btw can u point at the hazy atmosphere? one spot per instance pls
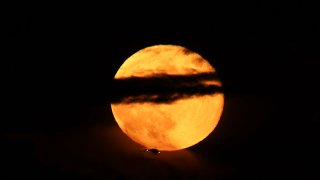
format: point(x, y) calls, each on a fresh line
point(59, 69)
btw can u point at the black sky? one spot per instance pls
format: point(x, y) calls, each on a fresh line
point(58, 72)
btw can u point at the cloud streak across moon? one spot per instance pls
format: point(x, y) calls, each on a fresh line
point(163, 88)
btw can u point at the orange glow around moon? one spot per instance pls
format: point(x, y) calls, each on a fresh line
point(168, 126)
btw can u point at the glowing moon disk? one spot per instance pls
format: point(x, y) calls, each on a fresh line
point(168, 126)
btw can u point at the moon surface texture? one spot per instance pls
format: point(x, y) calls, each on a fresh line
point(173, 125)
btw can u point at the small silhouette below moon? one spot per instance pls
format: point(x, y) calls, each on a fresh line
point(153, 151)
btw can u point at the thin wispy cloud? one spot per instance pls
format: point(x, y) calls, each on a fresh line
point(162, 88)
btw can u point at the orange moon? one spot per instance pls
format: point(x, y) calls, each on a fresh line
point(168, 126)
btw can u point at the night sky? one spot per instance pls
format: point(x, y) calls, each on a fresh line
point(58, 82)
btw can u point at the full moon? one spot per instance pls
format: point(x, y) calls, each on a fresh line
point(174, 125)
